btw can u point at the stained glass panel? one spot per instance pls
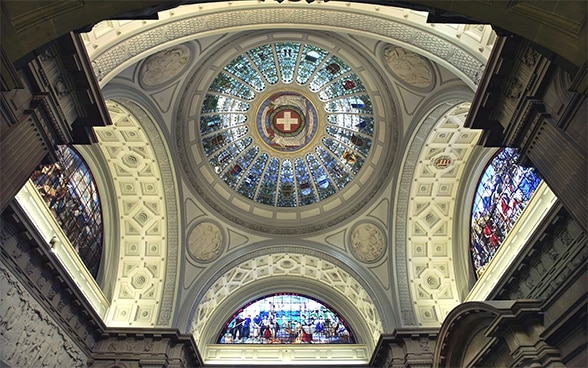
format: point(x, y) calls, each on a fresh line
point(286, 319)
point(502, 193)
point(69, 191)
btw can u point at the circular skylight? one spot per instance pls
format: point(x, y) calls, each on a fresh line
point(286, 124)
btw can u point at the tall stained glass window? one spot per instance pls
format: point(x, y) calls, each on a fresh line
point(286, 319)
point(502, 193)
point(69, 191)
point(287, 124)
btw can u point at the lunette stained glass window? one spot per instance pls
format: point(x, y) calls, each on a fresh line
point(287, 124)
point(286, 318)
point(69, 191)
point(502, 193)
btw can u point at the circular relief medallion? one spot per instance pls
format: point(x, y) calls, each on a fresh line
point(367, 242)
point(409, 67)
point(205, 242)
point(165, 65)
point(287, 121)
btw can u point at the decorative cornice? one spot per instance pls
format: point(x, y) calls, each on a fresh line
point(200, 21)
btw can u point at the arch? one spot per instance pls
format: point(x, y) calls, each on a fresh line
point(503, 191)
point(147, 207)
point(71, 194)
point(286, 318)
point(295, 270)
point(395, 25)
point(559, 30)
point(430, 178)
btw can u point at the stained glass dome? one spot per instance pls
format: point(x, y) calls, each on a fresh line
point(286, 124)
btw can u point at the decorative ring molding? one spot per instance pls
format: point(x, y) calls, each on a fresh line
point(110, 54)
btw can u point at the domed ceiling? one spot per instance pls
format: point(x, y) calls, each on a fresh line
point(290, 125)
point(286, 124)
point(277, 126)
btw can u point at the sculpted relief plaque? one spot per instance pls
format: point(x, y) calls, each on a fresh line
point(409, 67)
point(29, 336)
point(164, 65)
point(205, 242)
point(367, 242)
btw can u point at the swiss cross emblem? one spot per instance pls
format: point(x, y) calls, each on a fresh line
point(287, 121)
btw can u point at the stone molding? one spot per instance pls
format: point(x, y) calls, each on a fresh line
point(109, 56)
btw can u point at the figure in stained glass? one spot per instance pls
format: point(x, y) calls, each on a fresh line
point(503, 192)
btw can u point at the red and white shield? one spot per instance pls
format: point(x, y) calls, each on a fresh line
point(287, 121)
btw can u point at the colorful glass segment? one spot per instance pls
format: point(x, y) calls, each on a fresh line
point(69, 191)
point(262, 112)
point(503, 191)
point(286, 319)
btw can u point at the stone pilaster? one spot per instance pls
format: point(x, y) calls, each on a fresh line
point(405, 348)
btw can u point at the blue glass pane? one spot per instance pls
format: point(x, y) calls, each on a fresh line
point(286, 318)
point(214, 123)
point(215, 103)
point(248, 186)
point(357, 123)
point(312, 57)
point(238, 167)
point(356, 104)
point(287, 53)
point(324, 185)
point(228, 85)
point(242, 69)
point(306, 194)
point(69, 191)
point(267, 189)
point(264, 59)
point(351, 160)
point(502, 193)
point(331, 69)
point(287, 192)
point(215, 142)
point(225, 157)
point(354, 141)
point(347, 85)
point(334, 167)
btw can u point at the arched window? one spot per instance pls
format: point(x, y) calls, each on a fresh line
point(501, 195)
point(286, 318)
point(69, 191)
